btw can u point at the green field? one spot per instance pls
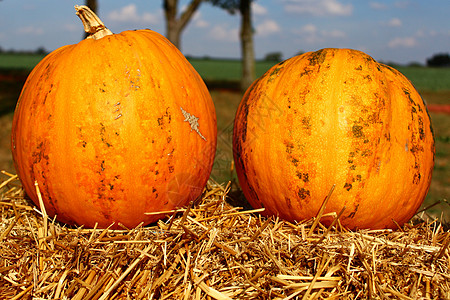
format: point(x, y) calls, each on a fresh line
point(211, 69)
point(19, 61)
point(228, 70)
point(426, 79)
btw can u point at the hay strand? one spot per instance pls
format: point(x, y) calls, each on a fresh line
point(213, 250)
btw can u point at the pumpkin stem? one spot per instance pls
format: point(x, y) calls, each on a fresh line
point(92, 23)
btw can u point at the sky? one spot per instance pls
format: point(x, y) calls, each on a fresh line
point(402, 31)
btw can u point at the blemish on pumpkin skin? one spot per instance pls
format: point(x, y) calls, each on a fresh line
point(289, 147)
point(352, 214)
point(368, 78)
point(366, 153)
point(165, 118)
point(318, 57)
point(306, 123)
point(193, 121)
point(303, 176)
point(40, 155)
point(274, 73)
point(348, 186)
point(357, 131)
point(304, 193)
point(288, 202)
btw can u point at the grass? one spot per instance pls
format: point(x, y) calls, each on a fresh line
point(424, 79)
point(212, 69)
point(19, 61)
point(427, 79)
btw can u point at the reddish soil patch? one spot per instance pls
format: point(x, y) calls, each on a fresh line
point(439, 108)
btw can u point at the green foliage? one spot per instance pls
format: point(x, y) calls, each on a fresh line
point(274, 57)
point(232, 6)
point(439, 60)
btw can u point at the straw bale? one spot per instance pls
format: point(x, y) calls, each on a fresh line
point(215, 250)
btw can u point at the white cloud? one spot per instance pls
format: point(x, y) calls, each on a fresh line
point(318, 7)
point(130, 13)
point(30, 30)
point(337, 34)
point(223, 33)
point(201, 23)
point(377, 5)
point(394, 22)
point(267, 27)
point(402, 4)
point(402, 42)
point(198, 20)
point(421, 33)
point(433, 33)
point(311, 34)
point(258, 9)
point(308, 29)
point(72, 27)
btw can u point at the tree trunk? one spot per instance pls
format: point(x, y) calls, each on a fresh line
point(92, 4)
point(175, 25)
point(172, 32)
point(248, 54)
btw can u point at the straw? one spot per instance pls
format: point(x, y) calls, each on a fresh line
point(214, 250)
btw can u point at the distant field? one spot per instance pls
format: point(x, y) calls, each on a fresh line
point(19, 61)
point(428, 79)
point(223, 70)
point(212, 69)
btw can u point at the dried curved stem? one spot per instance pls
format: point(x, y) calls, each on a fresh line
point(92, 23)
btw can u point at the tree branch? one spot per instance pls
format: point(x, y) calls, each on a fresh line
point(187, 14)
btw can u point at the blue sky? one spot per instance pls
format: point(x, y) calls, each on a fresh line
point(401, 31)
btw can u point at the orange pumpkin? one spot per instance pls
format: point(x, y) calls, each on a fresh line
point(334, 117)
point(114, 127)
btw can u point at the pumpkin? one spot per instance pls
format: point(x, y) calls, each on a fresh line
point(114, 129)
point(334, 117)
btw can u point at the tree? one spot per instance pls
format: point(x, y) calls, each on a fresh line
point(246, 36)
point(175, 23)
point(439, 60)
point(274, 56)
